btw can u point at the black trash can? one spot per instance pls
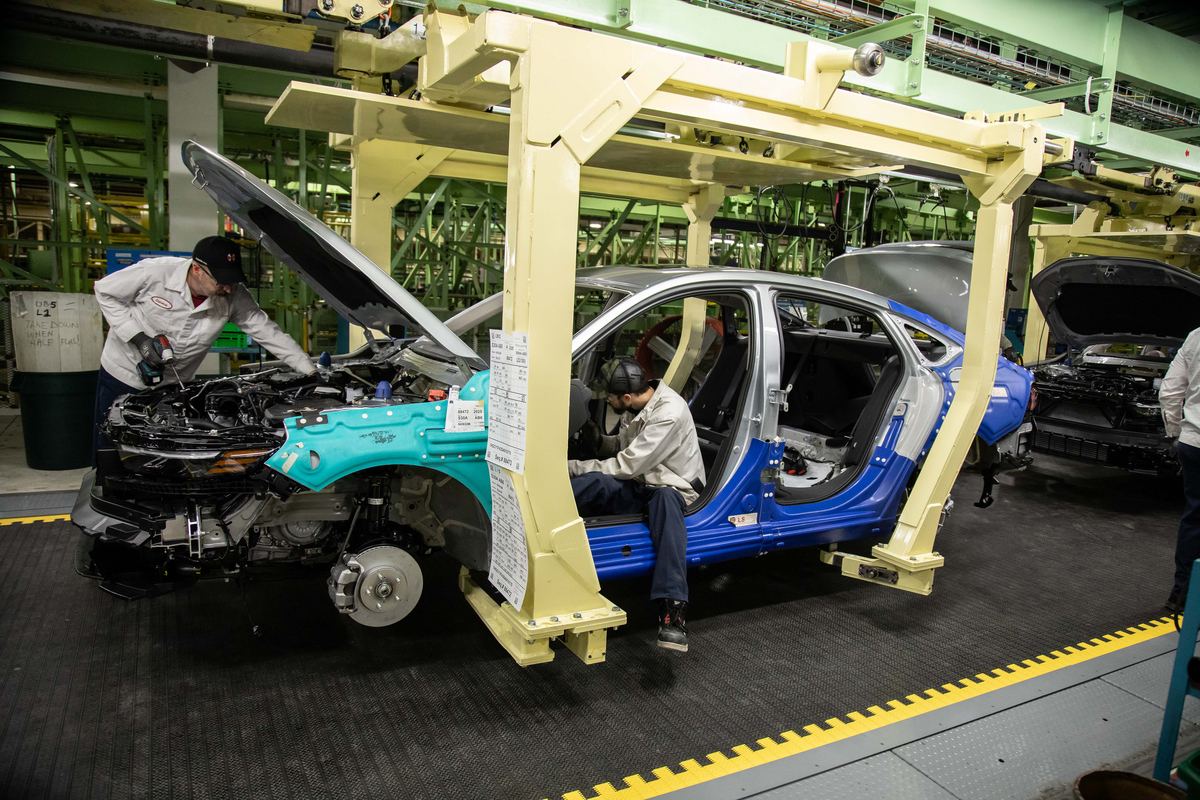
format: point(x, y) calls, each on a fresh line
point(1102, 784)
point(56, 417)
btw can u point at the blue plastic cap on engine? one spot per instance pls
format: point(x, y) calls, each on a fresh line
point(325, 360)
point(383, 391)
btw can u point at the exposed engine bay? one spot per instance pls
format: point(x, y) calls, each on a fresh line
point(185, 494)
point(1103, 409)
point(197, 423)
point(1123, 400)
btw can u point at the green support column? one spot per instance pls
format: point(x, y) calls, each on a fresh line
point(922, 25)
point(1102, 118)
point(302, 171)
point(160, 192)
point(280, 177)
point(61, 206)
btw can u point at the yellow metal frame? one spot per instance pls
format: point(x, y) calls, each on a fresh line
point(569, 92)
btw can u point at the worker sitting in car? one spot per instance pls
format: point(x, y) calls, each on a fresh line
point(653, 465)
point(187, 301)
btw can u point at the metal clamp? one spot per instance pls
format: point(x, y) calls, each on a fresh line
point(195, 545)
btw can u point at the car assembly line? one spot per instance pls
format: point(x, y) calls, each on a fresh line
point(662, 335)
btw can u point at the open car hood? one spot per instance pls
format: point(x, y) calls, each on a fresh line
point(349, 281)
point(1094, 300)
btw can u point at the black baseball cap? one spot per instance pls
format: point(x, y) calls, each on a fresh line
point(620, 376)
point(222, 258)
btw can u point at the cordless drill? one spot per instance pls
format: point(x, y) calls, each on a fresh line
point(153, 375)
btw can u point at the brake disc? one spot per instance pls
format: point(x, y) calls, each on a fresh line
point(388, 587)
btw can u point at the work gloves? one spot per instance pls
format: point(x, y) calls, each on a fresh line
point(149, 348)
point(603, 446)
point(592, 436)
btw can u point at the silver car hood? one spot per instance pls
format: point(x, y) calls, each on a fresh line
point(349, 281)
point(1094, 300)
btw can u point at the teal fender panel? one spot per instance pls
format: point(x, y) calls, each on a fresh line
point(315, 454)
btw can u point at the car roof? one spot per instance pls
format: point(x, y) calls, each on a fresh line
point(638, 279)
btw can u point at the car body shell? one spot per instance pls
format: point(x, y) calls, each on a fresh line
point(352, 439)
point(742, 511)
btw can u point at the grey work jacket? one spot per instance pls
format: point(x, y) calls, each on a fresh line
point(152, 297)
point(658, 446)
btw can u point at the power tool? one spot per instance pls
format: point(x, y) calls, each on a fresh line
point(152, 375)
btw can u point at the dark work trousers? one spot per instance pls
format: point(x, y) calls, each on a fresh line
point(598, 494)
point(108, 389)
point(1187, 546)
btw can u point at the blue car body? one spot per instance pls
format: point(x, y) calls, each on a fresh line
point(351, 440)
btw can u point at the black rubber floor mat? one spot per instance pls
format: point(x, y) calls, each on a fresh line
point(173, 696)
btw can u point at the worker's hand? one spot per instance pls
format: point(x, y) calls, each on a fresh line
point(149, 348)
point(592, 436)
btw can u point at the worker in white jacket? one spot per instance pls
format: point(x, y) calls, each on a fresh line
point(653, 465)
point(188, 300)
point(1179, 397)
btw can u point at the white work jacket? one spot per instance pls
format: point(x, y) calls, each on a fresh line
point(1179, 394)
point(152, 297)
point(658, 446)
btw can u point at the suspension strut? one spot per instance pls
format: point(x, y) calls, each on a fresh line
point(379, 490)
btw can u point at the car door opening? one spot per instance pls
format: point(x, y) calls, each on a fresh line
point(840, 378)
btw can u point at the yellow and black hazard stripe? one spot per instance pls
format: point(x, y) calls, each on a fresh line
point(27, 520)
point(788, 743)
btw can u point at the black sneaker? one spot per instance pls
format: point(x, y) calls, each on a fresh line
point(1173, 605)
point(672, 625)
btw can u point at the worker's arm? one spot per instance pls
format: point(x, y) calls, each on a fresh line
point(114, 292)
point(1173, 391)
point(254, 321)
point(644, 453)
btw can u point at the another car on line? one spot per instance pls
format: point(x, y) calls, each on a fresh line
point(1121, 321)
point(355, 472)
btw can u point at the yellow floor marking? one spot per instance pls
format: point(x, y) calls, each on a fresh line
point(790, 742)
point(20, 520)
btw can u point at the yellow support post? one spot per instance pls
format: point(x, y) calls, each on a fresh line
point(700, 208)
point(568, 97)
point(908, 560)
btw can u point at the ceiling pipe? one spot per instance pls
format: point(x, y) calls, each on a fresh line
point(167, 42)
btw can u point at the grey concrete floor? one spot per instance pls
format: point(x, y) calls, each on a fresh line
point(15, 475)
point(1035, 750)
